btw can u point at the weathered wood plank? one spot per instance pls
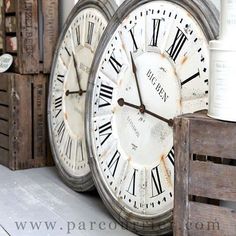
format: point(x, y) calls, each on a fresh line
point(4, 98)
point(210, 138)
point(39, 119)
point(4, 112)
point(4, 154)
point(51, 32)
point(24, 121)
point(4, 127)
point(213, 181)
point(28, 40)
point(22, 117)
point(181, 144)
point(211, 220)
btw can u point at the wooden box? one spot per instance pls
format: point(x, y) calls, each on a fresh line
point(30, 33)
point(197, 178)
point(23, 131)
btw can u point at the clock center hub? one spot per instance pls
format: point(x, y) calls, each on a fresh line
point(143, 135)
point(74, 103)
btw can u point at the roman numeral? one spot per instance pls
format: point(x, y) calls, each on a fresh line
point(90, 32)
point(115, 64)
point(61, 78)
point(190, 78)
point(67, 51)
point(177, 45)
point(156, 29)
point(68, 147)
point(132, 184)
point(135, 47)
point(105, 132)
point(171, 156)
point(114, 163)
point(77, 31)
point(58, 106)
point(156, 182)
point(61, 130)
point(105, 95)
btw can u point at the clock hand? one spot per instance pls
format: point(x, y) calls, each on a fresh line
point(122, 102)
point(80, 92)
point(77, 74)
point(134, 69)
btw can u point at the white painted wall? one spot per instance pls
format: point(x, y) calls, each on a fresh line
point(67, 5)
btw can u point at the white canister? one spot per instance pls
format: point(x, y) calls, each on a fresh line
point(228, 20)
point(222, 84)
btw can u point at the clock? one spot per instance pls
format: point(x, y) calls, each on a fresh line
point(68, 84)
point(151, 66)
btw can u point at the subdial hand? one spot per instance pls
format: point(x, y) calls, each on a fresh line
point(77, 74)
point(134, 69)
point(80, 92)
point(122, 103)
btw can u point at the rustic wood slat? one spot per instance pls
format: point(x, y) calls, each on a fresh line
point(30, 24)
point(181, 181)
point(4, 127)
point(4, 154)
point(29, 40)
point(4, 112)
point(211, 220)
point(4, 98)
point(4, 141)
point(21, 133)
point(50, 34)
point(206, 143)
point(4, 83)
point(24, 121)
point(208, 179)
point(39, 120)
point(211, 180)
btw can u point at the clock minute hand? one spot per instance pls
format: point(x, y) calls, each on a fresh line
point(134, 69)
point(122, 102)
point(77, 74)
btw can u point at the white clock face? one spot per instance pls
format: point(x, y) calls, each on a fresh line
point(160, 50)
point(70, 77)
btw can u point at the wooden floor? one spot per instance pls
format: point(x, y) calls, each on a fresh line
point(39, 202)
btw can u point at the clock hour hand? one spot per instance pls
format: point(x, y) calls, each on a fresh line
point(134, 69)
point(80, 92)
point(122, 103)
point(77, 74)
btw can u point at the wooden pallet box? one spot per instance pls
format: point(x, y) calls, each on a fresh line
point(23, 130)
point(30, 33)
point(204, 178)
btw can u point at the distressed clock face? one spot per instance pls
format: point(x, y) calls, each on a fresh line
point(154, 68)
point(68, 89)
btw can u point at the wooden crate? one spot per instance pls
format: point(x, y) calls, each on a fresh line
point(204, 178)
point(30, 33)
point(23, 131)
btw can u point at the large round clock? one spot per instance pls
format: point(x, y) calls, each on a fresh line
point(152, 65)
point(68, 85)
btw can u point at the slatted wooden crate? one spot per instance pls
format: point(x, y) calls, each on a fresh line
point(30, 32)
point(23, 131)
point(204, 178)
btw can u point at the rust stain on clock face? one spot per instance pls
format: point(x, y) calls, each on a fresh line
point(167, 173)
point(66, 116)
point(184, 60)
